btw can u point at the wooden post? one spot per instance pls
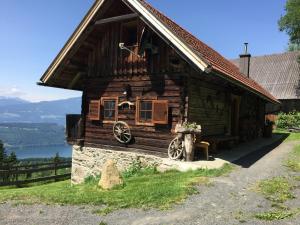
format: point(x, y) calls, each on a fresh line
point(17, 174)
point(189, 147)
point(55, 170)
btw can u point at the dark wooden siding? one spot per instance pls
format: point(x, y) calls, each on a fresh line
point(151, 138)
point(252, 117)
point(208, 106)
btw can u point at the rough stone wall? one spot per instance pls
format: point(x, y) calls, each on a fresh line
point(88, 161)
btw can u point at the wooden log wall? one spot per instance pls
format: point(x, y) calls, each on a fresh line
point(209, 106)
point(148, 138)
point(252, 117)
point(107, 59)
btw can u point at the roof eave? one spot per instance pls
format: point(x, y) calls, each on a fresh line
point(72, 40)
point(240, 84)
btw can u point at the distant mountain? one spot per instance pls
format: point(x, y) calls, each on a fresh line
point(5, 101)
point(31, 134)
point(14, 110)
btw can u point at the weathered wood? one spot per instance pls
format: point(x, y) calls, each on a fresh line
point(116, 19)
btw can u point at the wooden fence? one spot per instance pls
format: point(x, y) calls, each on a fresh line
point(12, 175)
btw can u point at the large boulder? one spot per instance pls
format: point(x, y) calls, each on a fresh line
point(110, 176)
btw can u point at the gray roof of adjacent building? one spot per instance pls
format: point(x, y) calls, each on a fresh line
point(277, 73)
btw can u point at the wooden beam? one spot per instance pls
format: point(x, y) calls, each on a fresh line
point(116, 18)
point(75, 80)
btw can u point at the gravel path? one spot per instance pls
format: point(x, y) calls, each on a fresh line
point(227, 201)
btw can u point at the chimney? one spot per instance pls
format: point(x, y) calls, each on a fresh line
point(245, 62)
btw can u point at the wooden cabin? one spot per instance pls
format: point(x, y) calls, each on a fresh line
point(135, 65)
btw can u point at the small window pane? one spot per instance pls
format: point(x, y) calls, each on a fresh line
point(146, 105)
point(109, 109)
point(146, 111)
point(149, 115)
point(109, 105)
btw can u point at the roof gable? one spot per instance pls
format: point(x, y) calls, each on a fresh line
point(195, 51)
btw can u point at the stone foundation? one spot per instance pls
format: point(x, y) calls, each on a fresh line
point(88, 161)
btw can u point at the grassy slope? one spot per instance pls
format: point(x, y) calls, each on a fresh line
point(152, 190)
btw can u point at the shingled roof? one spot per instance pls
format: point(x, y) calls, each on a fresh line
point(204, 57)
point(277, 73)
point(217, 62)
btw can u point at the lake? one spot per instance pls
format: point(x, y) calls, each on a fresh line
point(41, 152)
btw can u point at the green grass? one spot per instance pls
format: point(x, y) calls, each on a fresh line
point(278, 189)
point(274, 215)
point(290, 135)
point(158, 190)
point(293, 161)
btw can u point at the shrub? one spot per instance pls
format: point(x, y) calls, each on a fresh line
point(288, 120)
point(136, 169)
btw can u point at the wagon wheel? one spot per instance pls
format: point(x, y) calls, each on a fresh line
point(175, 149)
point(122, 132)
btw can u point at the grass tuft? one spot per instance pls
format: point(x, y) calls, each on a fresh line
point(274, 215)
point(277, 189)
point(293, 161)
point(103, 211)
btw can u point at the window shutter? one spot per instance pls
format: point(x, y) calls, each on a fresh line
point(94, 110)
point(160, 112)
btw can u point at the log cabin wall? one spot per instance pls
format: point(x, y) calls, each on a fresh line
point(252, 117)
point(151, 138)
point(157, 74)
point(209, 106)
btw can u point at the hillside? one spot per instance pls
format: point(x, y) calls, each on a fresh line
point(35, 134)
point(5, 101)
point(15, 110)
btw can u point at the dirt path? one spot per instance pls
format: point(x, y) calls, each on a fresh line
point(228, 200)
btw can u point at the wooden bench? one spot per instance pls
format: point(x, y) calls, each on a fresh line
point(204, 146)
point(215, 140)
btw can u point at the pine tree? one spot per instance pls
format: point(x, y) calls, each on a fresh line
point(12, 158)
point(56, 159)
point(3, 155)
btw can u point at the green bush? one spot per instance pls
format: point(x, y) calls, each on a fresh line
point(136, 169)
point(287, 120)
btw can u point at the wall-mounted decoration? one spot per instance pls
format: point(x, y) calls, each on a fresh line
point(126, 105)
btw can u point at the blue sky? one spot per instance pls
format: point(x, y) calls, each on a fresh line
point(33, 32)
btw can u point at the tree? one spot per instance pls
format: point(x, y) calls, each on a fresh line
point(293, 47)
point(290, 23)
point(56, 158)
point(12, 158)
point(3, 155)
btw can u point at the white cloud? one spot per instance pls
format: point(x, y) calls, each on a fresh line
point(13, 91)
point(36, 93)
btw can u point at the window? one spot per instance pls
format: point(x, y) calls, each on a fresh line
point(151, 112)
point(110, 109)
point(145, 111)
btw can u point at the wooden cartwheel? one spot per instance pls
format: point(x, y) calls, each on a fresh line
point(122, 132)
point(176, 147)
point(183, 144)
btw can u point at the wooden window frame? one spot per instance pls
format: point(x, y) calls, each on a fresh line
point(94, 118)
point(116, 99)
point(153, 122)
point(137, 111)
